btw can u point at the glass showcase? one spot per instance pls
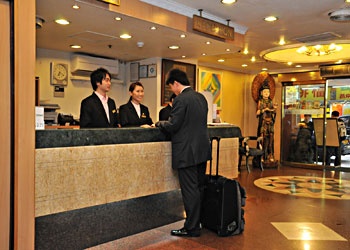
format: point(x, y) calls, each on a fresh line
point(310, 136)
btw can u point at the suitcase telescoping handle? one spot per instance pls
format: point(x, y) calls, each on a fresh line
point(215, 138)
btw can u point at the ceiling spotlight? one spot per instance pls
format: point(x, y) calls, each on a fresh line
point(62, 21)
point(228, 1)
point(244, 65)
point(125, 36)
point(221, 60)
point(118, 18)
point(75, 46)
point(76, 6)
point(270, 18)
point(39, 21)
point(173, 47)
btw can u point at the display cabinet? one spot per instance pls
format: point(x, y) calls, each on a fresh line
point(300, 102)
point(305, 104)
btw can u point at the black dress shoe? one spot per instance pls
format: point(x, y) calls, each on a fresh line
point(185, 233)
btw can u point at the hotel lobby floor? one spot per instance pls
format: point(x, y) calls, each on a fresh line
point(274, 220)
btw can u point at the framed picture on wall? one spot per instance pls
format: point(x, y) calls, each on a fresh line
point(134, 72)
point(143, 71)
point(168, 65)
point(152, 70)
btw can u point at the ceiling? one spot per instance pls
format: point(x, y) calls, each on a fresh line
point(93, 26)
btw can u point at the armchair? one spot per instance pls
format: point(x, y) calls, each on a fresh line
point(247, 151)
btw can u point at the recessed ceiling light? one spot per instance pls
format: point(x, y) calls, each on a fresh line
point(75, 6)
point(298, 66)
point(228, 50)
point(221, 60)
point(204, 54)
point(244, 65)
point(208, 42)
point(62, 21)
point(340, 61)
point(253, 59)
point(173, 47)
point(125, 36)
point(289, 63)
point(182, 35)
point(264, 69)
point(245, 51)
point(228, 1)
point(270, 18)
point(153, 28)
point(75, 46)
point(183, 56)
point(118, 18)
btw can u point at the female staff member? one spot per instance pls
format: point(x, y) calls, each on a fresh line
point(133, 113)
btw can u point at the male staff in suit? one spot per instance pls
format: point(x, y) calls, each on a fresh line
point(98, 110)
point(187, 126)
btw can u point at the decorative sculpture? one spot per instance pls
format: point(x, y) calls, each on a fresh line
point(263, 91)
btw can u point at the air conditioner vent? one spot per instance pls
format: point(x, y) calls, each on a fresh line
point(318, 37)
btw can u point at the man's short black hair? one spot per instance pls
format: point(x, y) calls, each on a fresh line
point(179, 76)
point(335, 113)
point(97, 76)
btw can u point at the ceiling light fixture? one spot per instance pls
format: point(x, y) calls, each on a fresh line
point(228, 1)
point(75, 46)
point(271, 18)
point(125, 36)
point(327, 53)
point(319, 50)
point(221, 60)
point(173, 47)
point(117, 18)
point(62, 21)
point(75, 6)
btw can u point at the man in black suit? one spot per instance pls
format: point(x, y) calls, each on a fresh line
point(164, 113)
point(187, 126)
point(98, 110)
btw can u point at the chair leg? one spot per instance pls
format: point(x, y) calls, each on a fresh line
point(239, 163)
point(260, 164)
point(247, 163)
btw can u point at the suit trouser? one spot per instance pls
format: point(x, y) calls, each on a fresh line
point(192, 181)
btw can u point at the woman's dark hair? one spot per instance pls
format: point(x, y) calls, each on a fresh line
point(179, 76)
point(97, 76)
point(133, 86)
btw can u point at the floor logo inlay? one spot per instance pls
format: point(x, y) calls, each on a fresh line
point(306, 186)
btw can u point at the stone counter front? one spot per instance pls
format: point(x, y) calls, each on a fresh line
point(126, 167)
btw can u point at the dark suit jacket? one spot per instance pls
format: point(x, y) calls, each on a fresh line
point(93, 115)
point(164, 113)
point(187, 125)
point(129, 118)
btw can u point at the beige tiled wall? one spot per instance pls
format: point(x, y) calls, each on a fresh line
point(77, 177)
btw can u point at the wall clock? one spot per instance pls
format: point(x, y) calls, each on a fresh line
point(59, 73)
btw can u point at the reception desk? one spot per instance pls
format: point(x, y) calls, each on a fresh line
point(80, 169)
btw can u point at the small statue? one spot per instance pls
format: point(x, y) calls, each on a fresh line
point(266, 112)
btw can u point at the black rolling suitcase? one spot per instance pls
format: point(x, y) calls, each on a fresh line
point(222, 203)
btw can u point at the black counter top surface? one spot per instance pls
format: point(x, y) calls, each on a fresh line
point(55, 138)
